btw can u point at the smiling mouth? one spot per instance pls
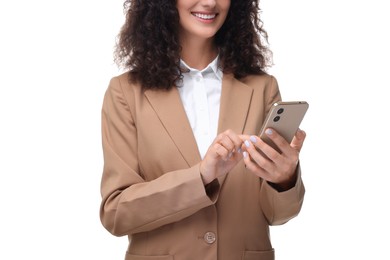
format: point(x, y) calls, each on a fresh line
point(205, 16)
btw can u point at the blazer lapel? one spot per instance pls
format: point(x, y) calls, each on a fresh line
point(235, 101)
point(170, 110)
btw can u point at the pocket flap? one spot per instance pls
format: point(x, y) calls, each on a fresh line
point(148, 257)
point(259, 255)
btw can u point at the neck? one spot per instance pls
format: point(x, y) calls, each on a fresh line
point(198, 53)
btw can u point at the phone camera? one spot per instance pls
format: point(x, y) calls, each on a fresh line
point(280, 111)
point(276, 118)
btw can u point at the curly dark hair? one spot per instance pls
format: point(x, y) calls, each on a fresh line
point(148, 43)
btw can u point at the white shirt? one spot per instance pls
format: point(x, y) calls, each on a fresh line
point(200, 93)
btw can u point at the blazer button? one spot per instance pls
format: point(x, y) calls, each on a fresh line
point(209, 237)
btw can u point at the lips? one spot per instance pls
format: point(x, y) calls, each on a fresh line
point(204, 16)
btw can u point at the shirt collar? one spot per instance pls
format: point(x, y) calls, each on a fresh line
point(213, 66)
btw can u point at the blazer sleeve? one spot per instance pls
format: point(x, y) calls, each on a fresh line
point(129, 203)
point(280, 207)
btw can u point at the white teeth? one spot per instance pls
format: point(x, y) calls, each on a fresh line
point(205, 16)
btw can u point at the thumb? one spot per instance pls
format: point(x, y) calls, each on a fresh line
point(298, 140)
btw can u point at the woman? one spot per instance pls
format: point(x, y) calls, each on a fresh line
point(183, 177)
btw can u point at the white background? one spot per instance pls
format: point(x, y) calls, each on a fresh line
point(56, 62)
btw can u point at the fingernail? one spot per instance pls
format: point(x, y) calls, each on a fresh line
point(300, 134)
point(245, 154)
point(230, 155)
point(253, 139)
point(239, 150)
point(247, 144)
point(268, 131)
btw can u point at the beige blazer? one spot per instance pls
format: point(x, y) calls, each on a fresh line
point(151, 186)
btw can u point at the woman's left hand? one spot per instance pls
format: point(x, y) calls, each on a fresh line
point(270, 165)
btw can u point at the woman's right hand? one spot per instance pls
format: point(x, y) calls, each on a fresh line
point(223, 154)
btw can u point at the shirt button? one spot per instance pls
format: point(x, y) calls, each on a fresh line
point(209, 237)
point(197, 78)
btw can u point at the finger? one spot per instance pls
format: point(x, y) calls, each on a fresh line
point(221, 151)
point(278, 140)
point(231, 141)
point(226, 142)
point(235, 139)
point(265, 149)
point(254, 167)
point(274, 162)
point(244, 137)
point(275, 167)
point(298, 140)
point(255, 146)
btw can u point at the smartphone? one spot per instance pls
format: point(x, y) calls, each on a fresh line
point(285, 118)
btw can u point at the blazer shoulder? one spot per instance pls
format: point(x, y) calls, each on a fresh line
point(265, 85)
point(124, 82)
point(261, 81)
point(123, 85)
